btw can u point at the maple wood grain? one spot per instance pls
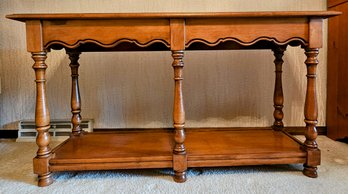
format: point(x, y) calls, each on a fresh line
point(102, 16)
point(226, 147)
point(178, 149)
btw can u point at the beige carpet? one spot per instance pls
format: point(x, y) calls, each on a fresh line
point(16, 176)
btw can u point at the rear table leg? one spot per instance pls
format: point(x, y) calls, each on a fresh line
point(278, 98)
point(75, 93)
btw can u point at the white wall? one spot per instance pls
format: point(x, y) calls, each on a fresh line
point(221, 88)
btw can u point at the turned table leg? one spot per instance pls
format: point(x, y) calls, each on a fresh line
point(278, 98)
point(179, 152)
point(42, 122)
point(75, 93)
point(311, 115)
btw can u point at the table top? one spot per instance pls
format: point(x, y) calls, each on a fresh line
point(83, 16)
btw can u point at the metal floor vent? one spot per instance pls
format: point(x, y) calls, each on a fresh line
point(60, 129)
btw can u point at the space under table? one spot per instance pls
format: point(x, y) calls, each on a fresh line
point(178, 147)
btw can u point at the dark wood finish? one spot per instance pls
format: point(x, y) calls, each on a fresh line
point(337, 71)
point(333, 3)
point(278, 98)
point(176, 32)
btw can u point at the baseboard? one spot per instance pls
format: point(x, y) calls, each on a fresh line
point(322, 130)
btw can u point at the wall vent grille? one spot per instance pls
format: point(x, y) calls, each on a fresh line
point(60, 129)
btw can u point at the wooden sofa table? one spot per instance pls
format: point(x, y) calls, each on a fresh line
point(176, 32)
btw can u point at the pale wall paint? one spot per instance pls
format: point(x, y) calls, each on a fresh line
point(135, 89)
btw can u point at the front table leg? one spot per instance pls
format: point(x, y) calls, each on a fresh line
point(179, 152)
point(311, 115)
point(42, 121)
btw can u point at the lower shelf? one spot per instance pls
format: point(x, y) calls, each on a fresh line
point(129, 149)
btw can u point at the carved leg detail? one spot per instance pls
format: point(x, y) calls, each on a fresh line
point(310, 171)
point(42, 121)
point(311, 115)
point(278, 98)
point(45, 179)
point(75, 93)
point(179, 152)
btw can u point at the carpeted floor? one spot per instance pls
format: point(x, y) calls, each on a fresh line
point(16, 176)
